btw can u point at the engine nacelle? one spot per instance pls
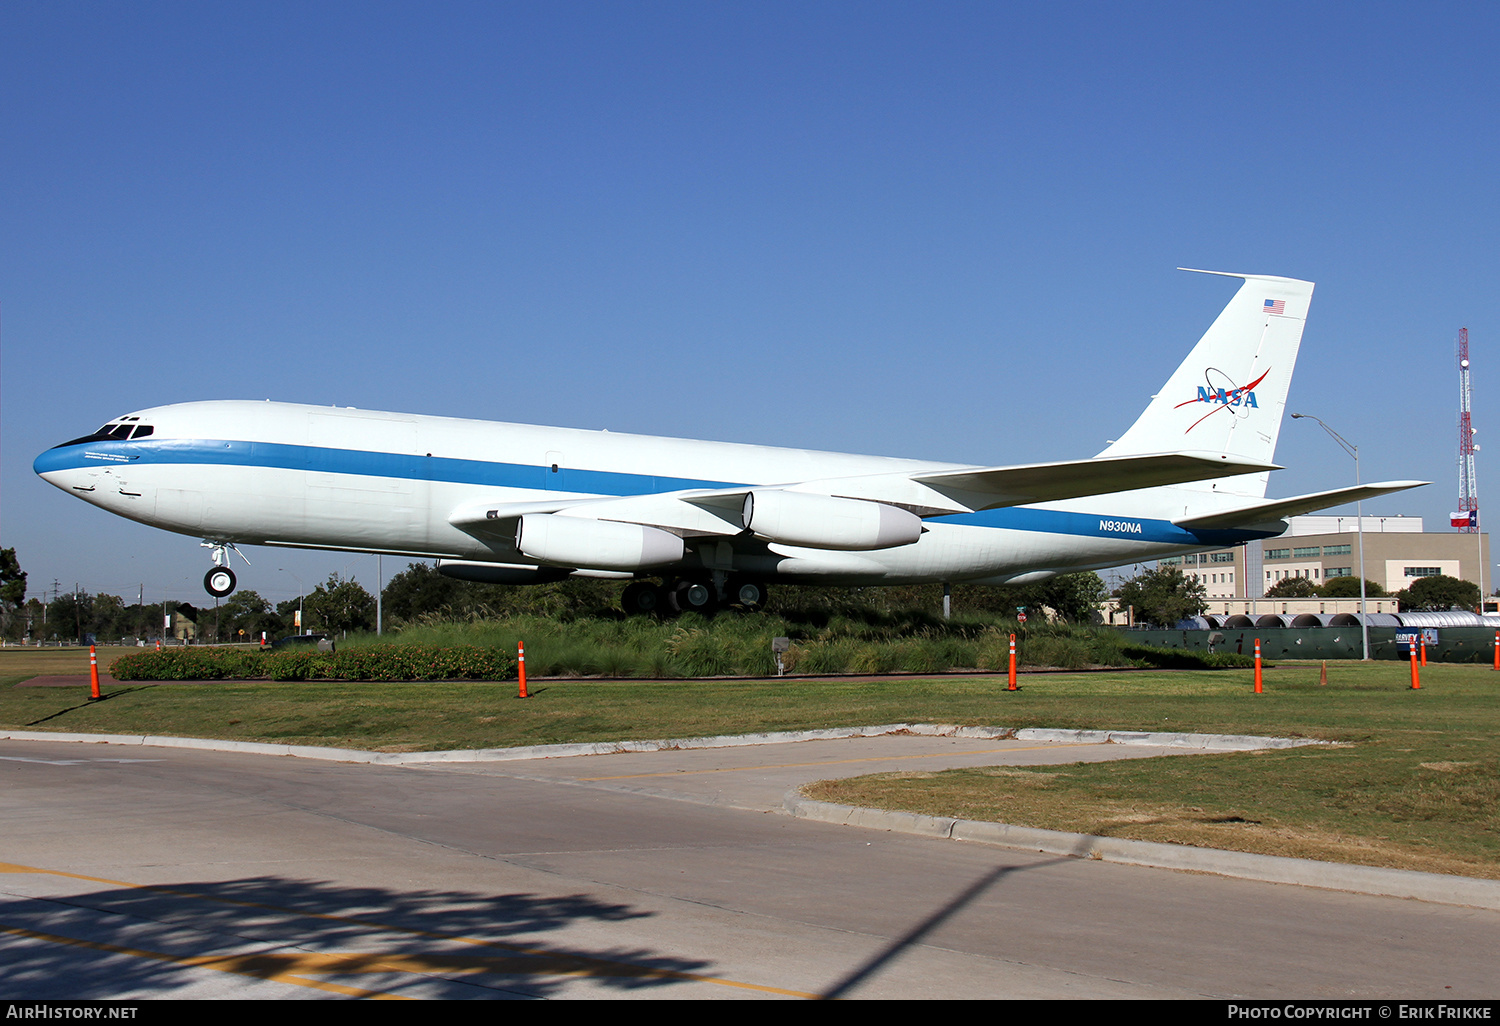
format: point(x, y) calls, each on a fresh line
point(824, 522)
point(595, 544)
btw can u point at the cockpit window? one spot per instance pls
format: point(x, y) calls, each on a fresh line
point(114, 431)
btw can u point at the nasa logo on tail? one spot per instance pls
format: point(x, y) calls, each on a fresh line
point(1238, 400)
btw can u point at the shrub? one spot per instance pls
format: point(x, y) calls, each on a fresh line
point(390, 662)
point(394, 662)
point(1186, 658)
point(188, 664)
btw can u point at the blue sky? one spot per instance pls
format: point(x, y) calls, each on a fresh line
point(938, 230)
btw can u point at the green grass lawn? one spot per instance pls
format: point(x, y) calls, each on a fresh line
point(1416, 786)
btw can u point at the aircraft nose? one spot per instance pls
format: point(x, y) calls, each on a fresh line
point(46, 463)
point(59, 464)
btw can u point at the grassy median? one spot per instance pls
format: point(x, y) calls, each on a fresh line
point(1417, 784)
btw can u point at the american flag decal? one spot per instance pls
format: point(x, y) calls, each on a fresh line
point(1276, 306)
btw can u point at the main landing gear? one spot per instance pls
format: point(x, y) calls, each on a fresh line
point(220, 581)
point(696, 595)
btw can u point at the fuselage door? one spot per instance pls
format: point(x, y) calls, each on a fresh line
point(554, 472)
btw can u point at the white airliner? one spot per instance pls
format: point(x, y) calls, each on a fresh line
point(715, 521)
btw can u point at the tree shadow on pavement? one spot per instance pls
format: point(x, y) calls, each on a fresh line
point(152, 941)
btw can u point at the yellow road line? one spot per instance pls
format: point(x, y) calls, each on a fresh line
point(277, 968)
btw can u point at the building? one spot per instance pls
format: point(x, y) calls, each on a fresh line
point(1396, 552)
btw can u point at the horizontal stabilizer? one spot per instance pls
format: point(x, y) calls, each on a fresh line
point(993, 487)
point(1278, 509)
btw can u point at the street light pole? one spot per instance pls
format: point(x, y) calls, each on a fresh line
point(1352, 450)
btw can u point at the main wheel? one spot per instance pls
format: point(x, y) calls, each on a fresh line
point(641, 598)
point(751, 595)
point(694, 596)
point(219, 581)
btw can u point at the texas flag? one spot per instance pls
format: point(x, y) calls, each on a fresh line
point(1467, 518)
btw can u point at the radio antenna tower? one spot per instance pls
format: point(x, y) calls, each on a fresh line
point(1468, 484)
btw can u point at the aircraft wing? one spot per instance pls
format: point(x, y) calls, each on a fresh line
point(717, 512)
point(483, 511)
point(1272, 510)
point(692, 513)
point(994, 487)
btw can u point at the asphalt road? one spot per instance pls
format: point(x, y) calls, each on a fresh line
point(134, 872)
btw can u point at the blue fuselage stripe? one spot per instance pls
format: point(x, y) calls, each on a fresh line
point(484, 473)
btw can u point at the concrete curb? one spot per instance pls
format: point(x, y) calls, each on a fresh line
point(1206, 742)
point(1391, 883)
point(559, 751)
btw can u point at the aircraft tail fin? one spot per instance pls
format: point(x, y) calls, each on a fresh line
point(1229, 394)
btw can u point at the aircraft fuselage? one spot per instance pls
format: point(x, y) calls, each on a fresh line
point(264, 473)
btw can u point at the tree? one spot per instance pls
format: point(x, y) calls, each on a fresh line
point(109, 617)
point(1348, 587)
point(29, 621)
point(1162, 596)
point(1437, 594)
point(12, 592)
point(70, 616)
point(12, 581)
point(340, 606)
point(1075, 598)
point(1292, 587)
point(247, 611)
point(419, 589)
point(286, 613)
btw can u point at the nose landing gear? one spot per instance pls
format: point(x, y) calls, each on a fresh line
point(220, 581)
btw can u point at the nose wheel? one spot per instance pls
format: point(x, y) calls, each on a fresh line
point(219, 581)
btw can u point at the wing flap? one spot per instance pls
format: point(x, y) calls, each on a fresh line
point(1278, 509)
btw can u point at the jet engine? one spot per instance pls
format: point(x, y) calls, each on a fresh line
point(595, 544)
point(825, 522)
